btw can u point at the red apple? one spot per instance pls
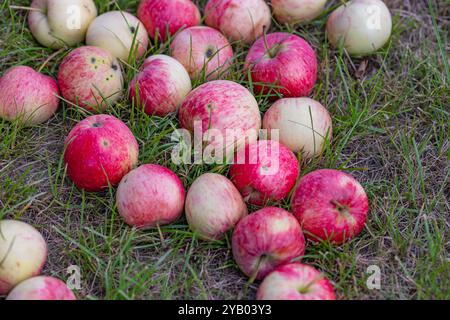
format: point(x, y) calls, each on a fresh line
point(23, 252)
point(284, 63)
point(264, 171)
point(330, 205)
point(266, 239)
point(202, 51)
point(303, 125)
point(223, 112)
point(27, 96)
point(88, 76)
point(41, 288)
point(99, 151)
point(238, 20)
point(213, 206)
point(161, 85)
point(165, 17)
point(297, 11)
point(295, 281)
point(149, 196)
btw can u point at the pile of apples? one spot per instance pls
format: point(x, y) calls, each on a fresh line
point(101, 152)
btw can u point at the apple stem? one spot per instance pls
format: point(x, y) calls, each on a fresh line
point(313, 281)
point(26, 8)
point(160, 233)
point(341, 208)
point(54, 54)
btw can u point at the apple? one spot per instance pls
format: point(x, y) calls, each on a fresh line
point(238, 20)
point(264, 171)
point(27, 96)
point(297, 11)
point(213, 206)
point(225, 113)
point(90, 78)
point(59, 23)
point(303, 125)
point(150, 196)
point(23, 252)
point(330, 205)
point(161, 85)
point(266, 239)
point(120, 33)
point(295, 281)
point(284, 63)
point(41, 288)
point(203, 51)
point(164, 18)
point(99, 151)
point(360, 26)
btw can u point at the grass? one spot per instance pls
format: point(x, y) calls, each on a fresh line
point(391, 130)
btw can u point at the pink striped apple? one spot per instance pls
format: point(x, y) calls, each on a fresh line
point(41, 288)
point(203, 51)
point(23, 252)
point(266, 239)
point(27, 96)
point(213, 206)
point(150, 196)
point(297, 11)
point(164, 18)
point(90, 78)
point(295, 281)
point(282, 63)
point(161, 85)
point(330, 205)
point(238, 20)
point(264, 171)
point(99, 151)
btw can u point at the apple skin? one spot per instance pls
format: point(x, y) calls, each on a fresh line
point(297, 11)
point(330, 205)
point(41, 288)
point(238, 20)
point(163, 84)
point(268, 172)
point(28, 96)
point(213, 206)
point(361, 26)
point(202, 51)
point(266, 239)
point(115, 32)
point(303, 125)
point(24, 251)
point(87, 74)
point(222, 105)
point(288, 281)
point(167, 17)
point(54, 28)
point(98, 150)
point(293, 68)
point(149, 196)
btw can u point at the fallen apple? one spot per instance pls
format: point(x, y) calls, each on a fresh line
point(161, 85)
point(23, 252)
point(238, 20)
point(150, 196)
point(27, 96)
point(99, 151)
point(59, 23)
point(41, 288)
point(120, 33)
point(297, 11)
point(360, 26)
point(203, 51)
point(266, 239)
point(303, 125)
point(330, 205)
point(213, 206)
point(91, 78)
point(282, 63)
point(295, 281)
